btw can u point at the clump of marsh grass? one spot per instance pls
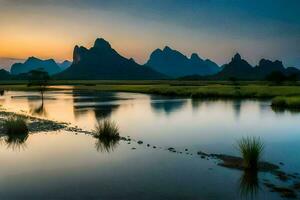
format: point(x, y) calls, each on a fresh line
point(106, 129)
point(16, 131)
point(15, 126)
point(107, 133)
point(251, 149)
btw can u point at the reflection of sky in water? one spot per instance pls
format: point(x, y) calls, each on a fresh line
point(64, 165)
point(212, 126)
point(67, 166)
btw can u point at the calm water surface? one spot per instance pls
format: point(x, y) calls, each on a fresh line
point(62, 165)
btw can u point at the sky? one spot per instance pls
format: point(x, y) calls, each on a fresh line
point(215, 29)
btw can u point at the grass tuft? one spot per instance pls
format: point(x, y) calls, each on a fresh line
point(106, 129)
point(15, 126)
point(107, 133)
point(251, 149)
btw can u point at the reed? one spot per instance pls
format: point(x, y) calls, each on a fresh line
point(251, 149)
point(106, 129)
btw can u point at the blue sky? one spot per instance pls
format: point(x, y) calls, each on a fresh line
point(214, 29)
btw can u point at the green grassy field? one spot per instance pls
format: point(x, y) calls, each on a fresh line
point(193, 89)
point(291, 102)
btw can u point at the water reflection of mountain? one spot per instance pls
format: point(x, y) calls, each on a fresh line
point(101, 111)
point(102, 104)
point(237, 105)
point(167, 106)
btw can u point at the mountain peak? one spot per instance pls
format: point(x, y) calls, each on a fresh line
point(156, 51)
point(32, 58)
point(237, 57)
point(266, 62)
point(103, 62)
point(101, 44)
point(131, 60)
point(175, 64)
point(33, 63)
point(195, 56)
point(167, 48)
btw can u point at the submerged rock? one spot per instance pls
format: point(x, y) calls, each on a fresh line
point(140, 142)
point(237, 163)
point(283, 191)
point(202, 153)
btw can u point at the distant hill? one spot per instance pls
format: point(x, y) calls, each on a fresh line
point(175, 64)
point(64, 65)
point(4, 75)
point(32, 63)
point(240, 69)
point(103, 62)
point(6, 62)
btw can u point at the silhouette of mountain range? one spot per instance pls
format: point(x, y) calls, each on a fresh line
point(4, 75)
point(6, 62)
point(175, 64)
point(240, 69)
point(103, 62)
point(32, 63)
point(64, 65)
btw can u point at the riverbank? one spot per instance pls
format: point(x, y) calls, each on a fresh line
point(34, 124)
point(286, 102)
point(193, 89)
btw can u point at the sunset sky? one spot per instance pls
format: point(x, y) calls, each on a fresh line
point(214, 29)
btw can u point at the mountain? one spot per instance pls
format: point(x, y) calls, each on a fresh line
point(241, 69)
point(34, 63)
point(6, 63)
point(175, 64)
point(102, 62)
point(292, 70)
point(238, 68)
point(4, 75)
point(265, 67)
point(64, 65)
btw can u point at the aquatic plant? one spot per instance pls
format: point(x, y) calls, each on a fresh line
point(15, 126)
point(107, 134)
point(249, 184)
point(106, 145)
point(251, 149)
point(106, 129)
point(16, 142)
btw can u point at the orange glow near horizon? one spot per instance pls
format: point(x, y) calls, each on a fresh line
point(32, 44)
